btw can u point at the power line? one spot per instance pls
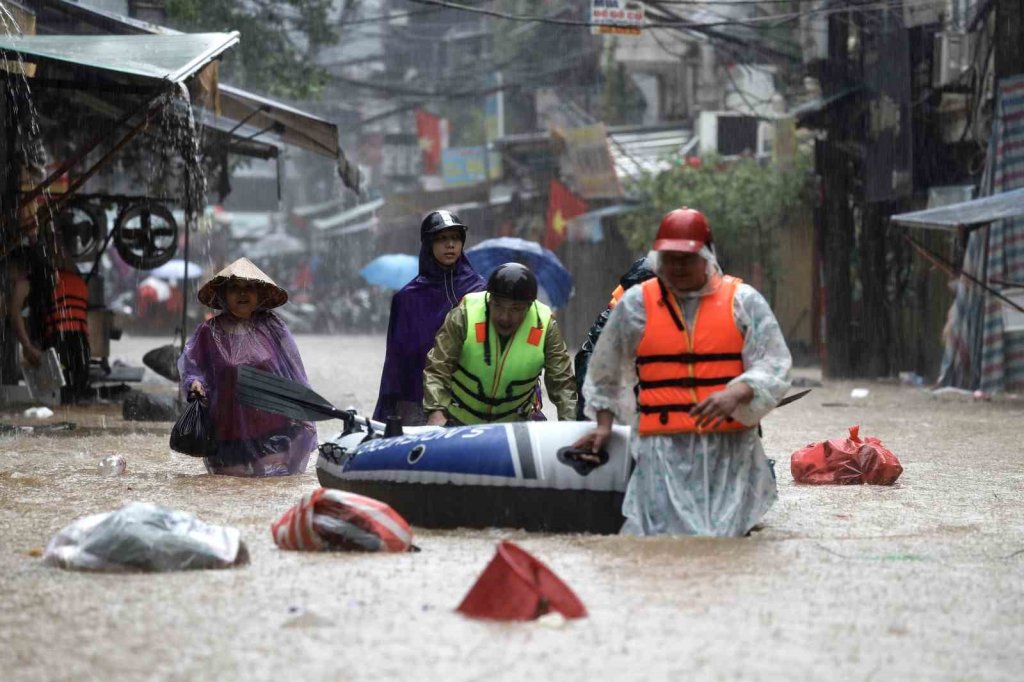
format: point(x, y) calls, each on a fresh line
point(387, 17)
point(679, 22)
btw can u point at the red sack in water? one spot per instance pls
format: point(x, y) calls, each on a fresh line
point(846, 461)
point(328, 519)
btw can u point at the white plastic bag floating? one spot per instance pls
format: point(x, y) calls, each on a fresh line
point(144, 537)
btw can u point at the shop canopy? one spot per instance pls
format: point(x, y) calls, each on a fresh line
point(968, 214)
point(292, 126)
point(151, 59)
point(262, 118)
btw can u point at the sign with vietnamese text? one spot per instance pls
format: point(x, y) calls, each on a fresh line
point(616, 17)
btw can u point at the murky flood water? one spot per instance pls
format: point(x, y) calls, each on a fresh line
point(924, 580)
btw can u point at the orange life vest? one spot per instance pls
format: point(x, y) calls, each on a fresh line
point(616, 295)
point(678, 369)
point(70, 305)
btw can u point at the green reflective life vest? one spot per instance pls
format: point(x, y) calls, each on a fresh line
point(503, 389)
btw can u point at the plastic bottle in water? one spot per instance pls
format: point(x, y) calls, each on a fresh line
point(114, 465)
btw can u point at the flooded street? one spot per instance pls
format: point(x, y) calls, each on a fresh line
point(921, 581)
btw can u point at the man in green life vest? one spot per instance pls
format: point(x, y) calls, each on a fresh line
point(489, 354)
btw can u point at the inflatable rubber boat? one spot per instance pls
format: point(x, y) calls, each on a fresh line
point(517, 475)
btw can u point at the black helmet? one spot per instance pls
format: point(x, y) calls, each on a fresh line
point(439, 221)
point(514, 281)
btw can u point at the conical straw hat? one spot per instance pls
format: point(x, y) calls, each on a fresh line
point(271, 295)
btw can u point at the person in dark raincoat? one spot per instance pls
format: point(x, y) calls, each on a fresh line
point(417, 312)
point(638, 273)
point(250, 441)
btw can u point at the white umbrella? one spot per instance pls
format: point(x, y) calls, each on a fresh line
point(175, 269)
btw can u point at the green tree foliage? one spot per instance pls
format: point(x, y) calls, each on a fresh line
point(746, 202)
point(279, 40)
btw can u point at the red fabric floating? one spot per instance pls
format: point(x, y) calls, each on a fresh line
point(846, 461)
point(334, 519)
point(517, 586)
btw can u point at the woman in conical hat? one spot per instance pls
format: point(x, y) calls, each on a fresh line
point(251, 442)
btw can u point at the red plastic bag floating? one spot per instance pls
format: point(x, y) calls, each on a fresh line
point(329, 519)
point(515, 585)
point(846, 461)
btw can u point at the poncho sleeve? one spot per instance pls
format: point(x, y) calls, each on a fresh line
point(287, 352)
point(558, 378)
point(192, 365)
point(766, 358)
point(442, 360)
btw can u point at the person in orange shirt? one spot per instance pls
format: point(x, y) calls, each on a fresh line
point(708, 361)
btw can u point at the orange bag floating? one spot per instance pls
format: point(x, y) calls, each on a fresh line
point(846, 461)
point(328, 519)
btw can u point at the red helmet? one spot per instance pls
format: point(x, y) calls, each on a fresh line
point(683, 229)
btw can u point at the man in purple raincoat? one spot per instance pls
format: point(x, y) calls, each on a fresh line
point(417, 312)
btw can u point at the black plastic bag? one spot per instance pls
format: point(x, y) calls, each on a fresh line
point(193, 433)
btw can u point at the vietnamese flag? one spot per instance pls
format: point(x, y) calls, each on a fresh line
point(432, 132)
point(563, 205)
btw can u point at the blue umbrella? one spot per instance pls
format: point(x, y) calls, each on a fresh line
point(392, 270)
point(552, 276)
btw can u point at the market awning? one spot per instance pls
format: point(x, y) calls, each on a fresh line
point(290, 125)
point(294, 127)
point(973, 213)
point(163, 58)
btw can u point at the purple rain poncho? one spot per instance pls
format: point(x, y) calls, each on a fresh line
point(251, 442)
point(417, 312)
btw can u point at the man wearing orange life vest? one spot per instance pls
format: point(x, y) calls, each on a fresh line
point(709, 361)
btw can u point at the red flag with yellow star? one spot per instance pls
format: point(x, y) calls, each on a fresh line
point(563, 205)
point(432, 132)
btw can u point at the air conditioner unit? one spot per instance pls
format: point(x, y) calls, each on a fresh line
point(730, 134)
point(951, 59)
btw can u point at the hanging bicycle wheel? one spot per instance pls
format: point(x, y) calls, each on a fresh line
point(146, 235)
point(85, 226)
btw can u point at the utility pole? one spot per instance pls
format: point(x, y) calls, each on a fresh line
point(9, 228)
point(836, 224)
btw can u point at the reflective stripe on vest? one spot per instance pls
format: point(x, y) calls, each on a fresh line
point(70, 305)
point(678, 370)
point(504, 389)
